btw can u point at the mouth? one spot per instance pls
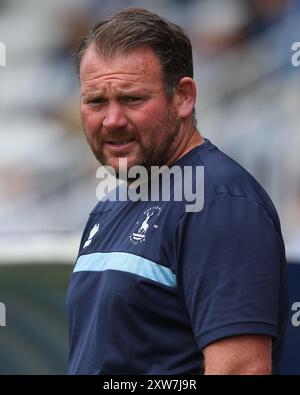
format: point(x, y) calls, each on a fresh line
point(120, 145)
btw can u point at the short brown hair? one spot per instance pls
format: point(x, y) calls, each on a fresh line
point(132, 28)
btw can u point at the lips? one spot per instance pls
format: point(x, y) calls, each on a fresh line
point(120, 142)
point(120, 145)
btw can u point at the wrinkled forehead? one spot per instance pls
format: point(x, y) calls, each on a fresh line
point(139, 63)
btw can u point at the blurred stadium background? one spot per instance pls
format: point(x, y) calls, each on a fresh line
point(248, 105)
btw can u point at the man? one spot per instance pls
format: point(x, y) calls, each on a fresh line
point(158, 289)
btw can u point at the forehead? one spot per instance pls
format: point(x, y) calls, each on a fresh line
point(138, 66)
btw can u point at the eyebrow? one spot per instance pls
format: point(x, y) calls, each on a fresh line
point(120, 93)
point(126, 87)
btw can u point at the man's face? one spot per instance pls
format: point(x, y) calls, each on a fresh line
point(125, 111)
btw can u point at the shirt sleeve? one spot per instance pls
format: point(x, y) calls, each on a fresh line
point(229, 259)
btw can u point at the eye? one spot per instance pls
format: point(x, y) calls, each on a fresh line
point(96, 101)
point(131, 99)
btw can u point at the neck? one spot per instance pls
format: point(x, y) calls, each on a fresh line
point(192, 139)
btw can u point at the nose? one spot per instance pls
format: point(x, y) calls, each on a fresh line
point(114, 117)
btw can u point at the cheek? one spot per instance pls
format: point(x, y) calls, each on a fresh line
point(91, 120)
point(150, 118)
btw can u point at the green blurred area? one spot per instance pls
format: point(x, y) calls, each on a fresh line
point(35, 338)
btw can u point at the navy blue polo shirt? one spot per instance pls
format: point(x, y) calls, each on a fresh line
point(154, 284)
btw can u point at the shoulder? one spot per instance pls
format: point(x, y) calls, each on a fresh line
point(226, 175)
point(229, 189)
point(225, 178)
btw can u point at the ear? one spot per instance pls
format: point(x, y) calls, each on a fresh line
point(185, 97)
